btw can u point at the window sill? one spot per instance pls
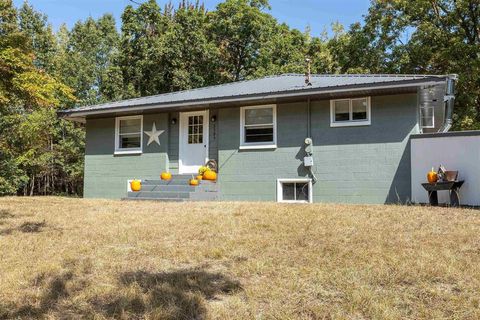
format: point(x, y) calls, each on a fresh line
point(258, 147)
point(127, 152)
point(294, 202)
point(350, 124)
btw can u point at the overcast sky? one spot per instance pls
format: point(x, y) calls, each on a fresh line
point(319, 14)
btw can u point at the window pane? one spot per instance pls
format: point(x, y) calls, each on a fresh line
point(427, 122)
point(130, 126)
point(301, 191)
point(427, 112)
point(264, 134)
point(129, 141)
point(359, 109)
point(342, 110)
point(258, 116)
point(427, 116)
point(288, 191)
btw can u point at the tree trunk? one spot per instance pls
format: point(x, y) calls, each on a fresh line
point(32, 185)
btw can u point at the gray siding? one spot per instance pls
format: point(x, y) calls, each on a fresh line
point(213, 136)
point(173, 142)
point(106, 175)
point(369, 164)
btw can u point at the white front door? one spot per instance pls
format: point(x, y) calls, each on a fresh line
point(193, 144)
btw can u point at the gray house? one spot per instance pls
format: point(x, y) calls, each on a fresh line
point(327, 138)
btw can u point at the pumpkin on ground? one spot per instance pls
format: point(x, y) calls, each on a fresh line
point(193, 182)
point(136, 185)
point(210, 175)
point(199, 177)
point(166, 176)
point(432, 177)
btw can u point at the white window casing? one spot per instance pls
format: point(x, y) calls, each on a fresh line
point(251, 127)
point(296, 182)
point(119, 150)
point(349, 115)
point(427, 117)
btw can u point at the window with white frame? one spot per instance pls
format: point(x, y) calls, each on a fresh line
point(427, 115)
point(258, 126)
point(350, 112)
point(294, 190)
point(128, 134)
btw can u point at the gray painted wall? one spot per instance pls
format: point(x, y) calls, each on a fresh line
point(106, 175)
point(368, 164)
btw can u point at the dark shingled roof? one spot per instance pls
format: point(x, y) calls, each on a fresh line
point(269, 87)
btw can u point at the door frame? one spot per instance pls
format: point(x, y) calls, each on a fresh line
point(206, 135)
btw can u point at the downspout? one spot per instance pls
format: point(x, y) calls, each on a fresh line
point(449, 100)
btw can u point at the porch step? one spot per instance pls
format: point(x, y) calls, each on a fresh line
point(177, 189)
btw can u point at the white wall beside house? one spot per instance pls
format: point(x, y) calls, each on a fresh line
point(456, 151)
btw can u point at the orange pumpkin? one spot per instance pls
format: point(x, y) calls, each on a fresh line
point(166, 176)
point(199, 177)
point(210, 175)
point(432, 177)
point(136, 185)
point(193, 182)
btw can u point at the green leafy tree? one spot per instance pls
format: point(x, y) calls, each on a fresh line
point(423, 36)
point(240, 28)
point(27, 93)
point(41, 39)
point(87, 57)
point(142, 48)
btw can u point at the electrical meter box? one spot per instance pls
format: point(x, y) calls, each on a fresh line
point(308, 161)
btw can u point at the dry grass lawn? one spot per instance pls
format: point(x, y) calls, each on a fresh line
point(73, 258)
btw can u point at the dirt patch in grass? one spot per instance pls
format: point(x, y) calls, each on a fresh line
point(150, 260)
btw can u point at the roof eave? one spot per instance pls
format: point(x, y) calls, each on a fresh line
point(80, 115)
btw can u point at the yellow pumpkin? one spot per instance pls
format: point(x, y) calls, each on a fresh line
point(199, 177)
point(210, 175)
point(432, 177)
point(193, 182)
point(136, 185)
point(166, 176)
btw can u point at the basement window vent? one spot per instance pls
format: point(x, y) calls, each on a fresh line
point(294, 190)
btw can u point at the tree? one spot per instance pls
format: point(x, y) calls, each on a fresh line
point(141, 48)
point(40, 37)
point(87, 57)
point(27, 94)
point(424, 36)
point(240, 27)
point(191, 58)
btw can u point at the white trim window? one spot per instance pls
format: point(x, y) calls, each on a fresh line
point(128, 134)
point(294, 190)
point(427, 116)
point(350, 112)
point(258, 127)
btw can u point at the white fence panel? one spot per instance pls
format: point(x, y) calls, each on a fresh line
point(454, 150)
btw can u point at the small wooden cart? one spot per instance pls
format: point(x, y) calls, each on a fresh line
point(451, 186)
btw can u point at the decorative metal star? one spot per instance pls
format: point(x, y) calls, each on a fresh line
point(154, 135)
